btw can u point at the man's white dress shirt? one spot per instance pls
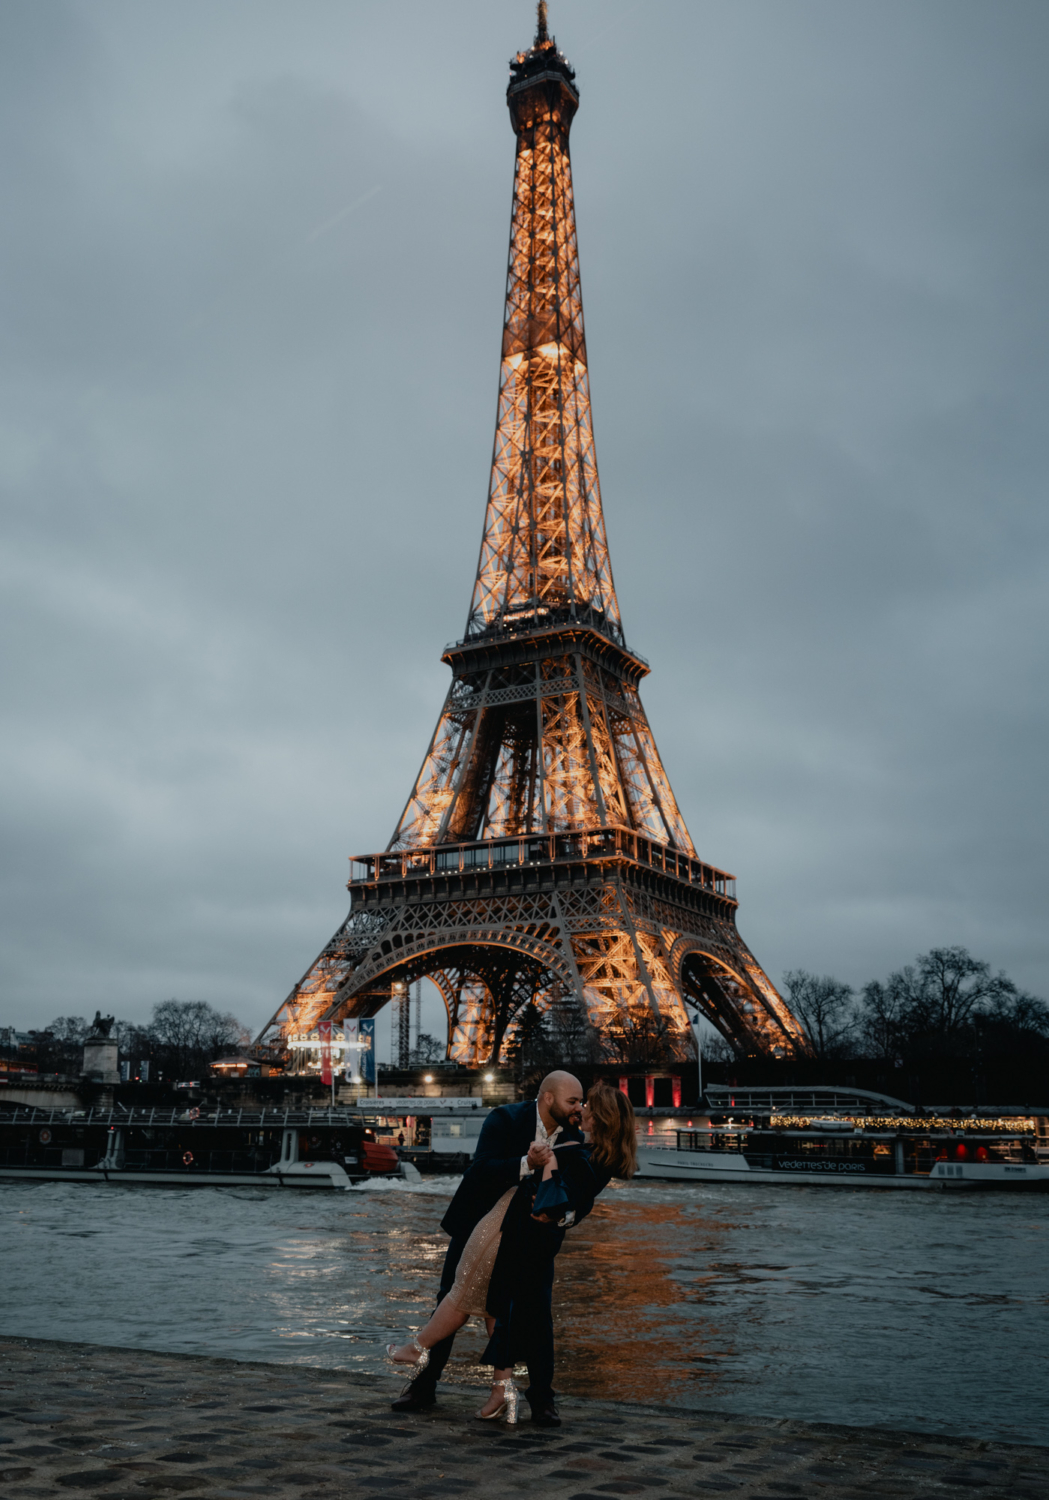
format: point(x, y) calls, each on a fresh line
point(544, 1137)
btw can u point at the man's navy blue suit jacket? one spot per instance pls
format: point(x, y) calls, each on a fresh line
point(505, 1137)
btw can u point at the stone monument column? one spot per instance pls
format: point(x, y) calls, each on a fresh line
point(101, 1052)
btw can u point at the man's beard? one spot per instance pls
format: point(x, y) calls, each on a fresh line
point(566, 1117)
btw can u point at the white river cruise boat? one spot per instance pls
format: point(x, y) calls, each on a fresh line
point(862, 1143)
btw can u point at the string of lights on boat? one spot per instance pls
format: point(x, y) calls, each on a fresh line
point(912, 1124)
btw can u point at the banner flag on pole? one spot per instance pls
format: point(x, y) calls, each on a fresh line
point(367, 1052)
point(352, 1043)
point(324, 1033)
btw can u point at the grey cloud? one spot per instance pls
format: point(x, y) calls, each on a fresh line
point(244, 447)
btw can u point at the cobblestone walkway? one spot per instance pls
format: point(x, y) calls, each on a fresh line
point(119, 1424)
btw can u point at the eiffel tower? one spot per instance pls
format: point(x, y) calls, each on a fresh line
point(541, 860)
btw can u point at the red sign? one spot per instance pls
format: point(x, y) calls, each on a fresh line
point(324, 1032)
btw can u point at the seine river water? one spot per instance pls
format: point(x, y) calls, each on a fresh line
point(913, 1310)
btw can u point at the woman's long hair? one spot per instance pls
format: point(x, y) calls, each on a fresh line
point(613, 1134)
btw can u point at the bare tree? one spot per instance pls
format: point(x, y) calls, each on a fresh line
point(69, 1031)
point(573, 1038)
point(937, 1005)
point(883, 1017)
point(948, 987)
point(1020, 1011)
point(427, 1049)
point(190, 1034)
point(640, 1036)
point(718, 1049)
point(60, 1046)
point(824, 1006)
point(557, 1033)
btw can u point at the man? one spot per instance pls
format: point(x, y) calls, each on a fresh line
point(515, 1140)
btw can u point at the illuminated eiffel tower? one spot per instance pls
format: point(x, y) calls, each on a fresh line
point(541, 859)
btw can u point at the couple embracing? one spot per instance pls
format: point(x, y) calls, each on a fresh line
point(537, 1169)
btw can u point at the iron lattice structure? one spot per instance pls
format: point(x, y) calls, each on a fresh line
point(541, 862)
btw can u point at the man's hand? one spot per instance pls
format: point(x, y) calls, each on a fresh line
point(538, 1155)
point(542, 1218)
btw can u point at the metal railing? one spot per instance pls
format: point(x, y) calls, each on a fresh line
point(538, 617)
point(785, 1097)
point(272, 1119)
point(539, 849)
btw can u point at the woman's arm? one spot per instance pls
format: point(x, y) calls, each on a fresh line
point(571, 1166)
point(581, 1180)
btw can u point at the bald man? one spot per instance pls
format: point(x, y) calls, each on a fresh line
point(515, 1140)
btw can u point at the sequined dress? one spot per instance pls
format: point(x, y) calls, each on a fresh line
point(470, 1291)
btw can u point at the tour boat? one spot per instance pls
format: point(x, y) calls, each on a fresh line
point(191, 1147)
point(902, 1153)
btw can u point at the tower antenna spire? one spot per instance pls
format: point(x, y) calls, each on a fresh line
point(541, 34)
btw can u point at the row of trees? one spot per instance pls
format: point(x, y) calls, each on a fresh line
point(947, 1009)
point(179, 1041)
point(947, 1005)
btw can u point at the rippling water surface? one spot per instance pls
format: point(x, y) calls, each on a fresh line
point(915, 1310)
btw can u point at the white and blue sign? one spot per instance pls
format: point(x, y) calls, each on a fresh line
point(359, 1040)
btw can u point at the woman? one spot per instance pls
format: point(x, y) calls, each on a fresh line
point(492, 1268)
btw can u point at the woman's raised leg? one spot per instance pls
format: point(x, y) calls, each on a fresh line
point(447, 1319)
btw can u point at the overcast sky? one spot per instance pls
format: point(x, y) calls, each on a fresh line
point(252, 261)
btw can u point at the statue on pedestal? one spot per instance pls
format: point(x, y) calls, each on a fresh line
point(101, 1051)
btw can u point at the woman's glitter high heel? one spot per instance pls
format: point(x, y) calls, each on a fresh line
point(509, 1406)
point(415, 1366)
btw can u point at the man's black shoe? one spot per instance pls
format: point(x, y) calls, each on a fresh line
point(413, 1400)
point(546, 1416)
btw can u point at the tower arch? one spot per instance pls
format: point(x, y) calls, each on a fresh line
point(486, 983)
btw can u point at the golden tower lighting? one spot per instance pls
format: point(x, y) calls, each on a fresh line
point(541, 865)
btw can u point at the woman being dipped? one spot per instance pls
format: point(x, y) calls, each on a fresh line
point(517, 1238)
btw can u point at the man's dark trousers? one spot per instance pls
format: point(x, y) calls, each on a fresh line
point(540, 1390)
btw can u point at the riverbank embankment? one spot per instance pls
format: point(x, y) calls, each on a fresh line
point(130, 1424)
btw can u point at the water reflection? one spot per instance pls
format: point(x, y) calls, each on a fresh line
point(622, 1314)
point(830, 1304)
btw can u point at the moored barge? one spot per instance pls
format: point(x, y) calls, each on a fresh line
point(191, 1147)
point(876, 1153)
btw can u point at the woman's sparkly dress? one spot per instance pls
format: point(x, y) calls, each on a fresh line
point(470, 1291)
